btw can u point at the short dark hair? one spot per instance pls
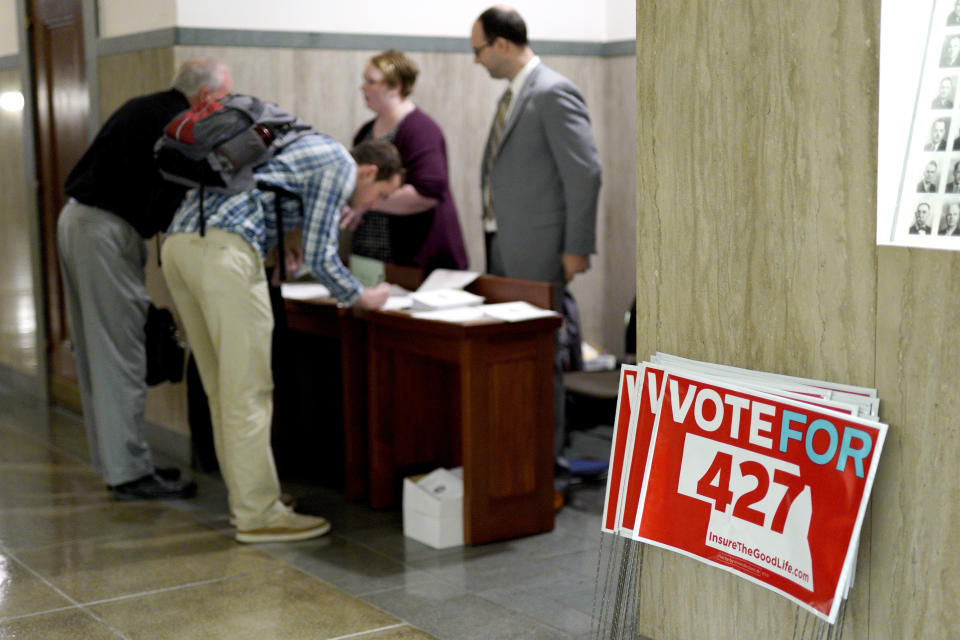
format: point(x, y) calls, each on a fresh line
point(501, 22)
point(380, 153)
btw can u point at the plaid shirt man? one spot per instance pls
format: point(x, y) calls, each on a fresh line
point(318, 168)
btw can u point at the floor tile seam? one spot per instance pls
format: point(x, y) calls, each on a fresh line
point(586, 545)
point(170, 589)
point(186, 585)
point(78, 607)
point(277, 554)
point(520, 613)
point(488, 594)
point(34, 614)
point(385, 590)
point(36, 574)
point(360, 634)
point(74, 603)
point(402, 621)
point(290, 565)
point(92, 539)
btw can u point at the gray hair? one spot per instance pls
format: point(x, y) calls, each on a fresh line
point(196, 74)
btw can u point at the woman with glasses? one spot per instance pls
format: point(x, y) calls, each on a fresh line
point(418, 224)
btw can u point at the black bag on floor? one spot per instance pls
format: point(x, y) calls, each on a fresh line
point(165, 351)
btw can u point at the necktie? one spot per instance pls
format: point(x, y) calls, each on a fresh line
point(489, 222)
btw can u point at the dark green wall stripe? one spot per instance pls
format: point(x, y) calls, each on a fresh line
point(184, 36)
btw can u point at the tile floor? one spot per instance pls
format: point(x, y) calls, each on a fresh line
point(76, 564)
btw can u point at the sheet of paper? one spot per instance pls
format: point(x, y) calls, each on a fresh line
point(447, 279)
point(303, 290)
point(516, 311)
point(444, 299)
point(395, 303)
point(461, 314)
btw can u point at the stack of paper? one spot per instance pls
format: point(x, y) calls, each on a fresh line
point(447, 279)
point(505, 311)
point(303, 290)
point(763, 475)
point(437, 299)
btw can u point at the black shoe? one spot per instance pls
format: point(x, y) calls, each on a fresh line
point(154, 487)
point(170, 474)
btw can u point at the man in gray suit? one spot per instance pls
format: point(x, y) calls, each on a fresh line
point(540, 175)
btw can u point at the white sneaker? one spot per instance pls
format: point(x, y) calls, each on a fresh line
point(289, 526)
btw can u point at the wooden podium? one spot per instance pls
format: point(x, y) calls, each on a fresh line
point(431, 394)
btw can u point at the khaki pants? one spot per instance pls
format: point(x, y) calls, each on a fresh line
point(218, 285)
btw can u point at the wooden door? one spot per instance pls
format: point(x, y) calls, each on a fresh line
point(63, 105)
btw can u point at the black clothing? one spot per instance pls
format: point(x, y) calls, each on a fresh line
point(117, 172)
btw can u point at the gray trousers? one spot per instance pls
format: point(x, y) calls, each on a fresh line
point(102, 260)
point(495, 267)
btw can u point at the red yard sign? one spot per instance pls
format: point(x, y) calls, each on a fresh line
point(622, 433)
point(649, 390)
point(768, 488)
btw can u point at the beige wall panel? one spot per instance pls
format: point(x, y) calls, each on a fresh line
point(18, 317)
point(125, 75)
point(915, 585)
point(618, 240)
point(761, 184)
point(756, 179)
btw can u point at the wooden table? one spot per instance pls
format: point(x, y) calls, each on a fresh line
point(428, 394)
point(480, 395)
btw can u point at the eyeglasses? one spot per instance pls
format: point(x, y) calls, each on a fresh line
point(477, 50)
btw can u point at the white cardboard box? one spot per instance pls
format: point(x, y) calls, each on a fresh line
point(433, 508)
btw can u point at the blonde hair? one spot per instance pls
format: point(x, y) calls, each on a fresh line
point(397, 70)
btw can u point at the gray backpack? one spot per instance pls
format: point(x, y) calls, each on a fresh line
point(216, 145)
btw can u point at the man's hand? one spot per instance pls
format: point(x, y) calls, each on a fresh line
point(574, 264)
point(374, 297)
point(351, 218)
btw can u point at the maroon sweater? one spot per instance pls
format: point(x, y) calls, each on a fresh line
point(431, 239)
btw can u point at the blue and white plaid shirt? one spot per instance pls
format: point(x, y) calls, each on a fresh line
point(318, 168)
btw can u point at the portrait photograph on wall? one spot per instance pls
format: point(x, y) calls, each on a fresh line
point(918, 147)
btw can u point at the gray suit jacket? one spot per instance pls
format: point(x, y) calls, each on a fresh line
point(545, 179)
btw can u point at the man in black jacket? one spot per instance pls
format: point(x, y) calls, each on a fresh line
point(117, 199)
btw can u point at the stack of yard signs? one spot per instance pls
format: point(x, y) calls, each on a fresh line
point(766, 476)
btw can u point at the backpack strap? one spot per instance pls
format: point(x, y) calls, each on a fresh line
point(277, 192)
point(203, 222)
